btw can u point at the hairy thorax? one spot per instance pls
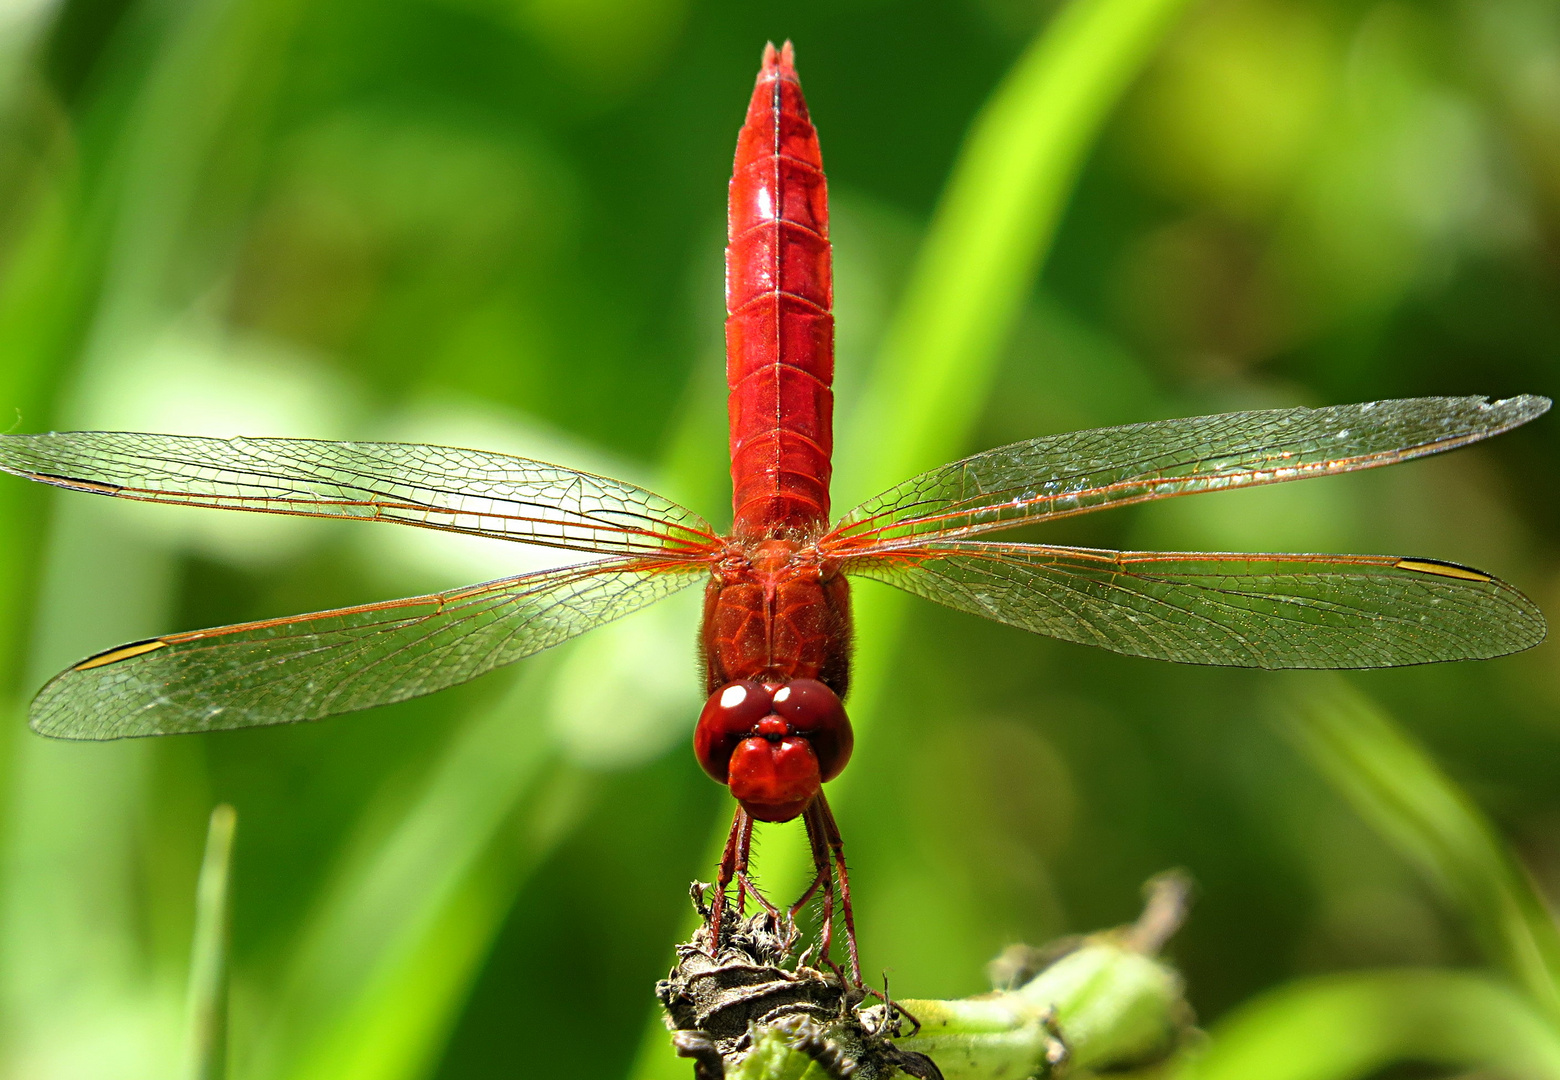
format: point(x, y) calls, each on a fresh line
point(776, 610)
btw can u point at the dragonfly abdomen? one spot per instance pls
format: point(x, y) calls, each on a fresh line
point(779, 329)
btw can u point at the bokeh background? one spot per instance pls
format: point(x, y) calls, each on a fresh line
point(499, 223)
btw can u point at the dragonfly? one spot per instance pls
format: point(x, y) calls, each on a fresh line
point(775, 641)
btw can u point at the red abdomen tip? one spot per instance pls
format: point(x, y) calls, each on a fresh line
point(781, 60)
point(779, 326)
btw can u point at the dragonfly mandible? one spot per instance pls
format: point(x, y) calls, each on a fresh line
point(776, 627)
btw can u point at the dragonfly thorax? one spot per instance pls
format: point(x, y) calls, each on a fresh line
point(776, 610)
point(773, 744)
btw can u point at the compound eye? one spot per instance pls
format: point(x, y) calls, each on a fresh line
point(813, 710)
point(728, 717)
point(808, 706)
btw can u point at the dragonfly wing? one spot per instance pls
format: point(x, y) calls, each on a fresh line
point(310, 666)
point(436, 487)
point(1061, 475)
point(1266, 611)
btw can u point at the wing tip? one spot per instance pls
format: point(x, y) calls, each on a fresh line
point(1521, 408)
point(1525, 626)
point(49, 726)
point(56, 712)
point(1532, 627)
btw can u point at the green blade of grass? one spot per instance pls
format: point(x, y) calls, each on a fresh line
point(208, 993)
point(1401, 792)
point(990, 234)
point(988, 238)
point(398, 937)
point(1347, 1027)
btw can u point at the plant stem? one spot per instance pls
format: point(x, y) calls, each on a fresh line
point(1105, 1004)
point(208, 993)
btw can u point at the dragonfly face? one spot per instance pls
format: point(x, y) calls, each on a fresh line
point(773, 744)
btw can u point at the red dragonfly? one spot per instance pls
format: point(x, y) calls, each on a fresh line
point(777, 624)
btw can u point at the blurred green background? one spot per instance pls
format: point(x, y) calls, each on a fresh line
point(499, 223)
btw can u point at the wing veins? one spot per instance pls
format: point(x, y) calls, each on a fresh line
point(1246, 478)
point(1259, 610)
point(1061, 476)
point(529, 501)
point(218, 502)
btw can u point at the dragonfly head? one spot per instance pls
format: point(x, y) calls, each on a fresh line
point(773, 744)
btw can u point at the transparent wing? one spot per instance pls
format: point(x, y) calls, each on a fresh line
point(310, 666)
point(436, 487)
point(1266, 611)
point(1061, 475)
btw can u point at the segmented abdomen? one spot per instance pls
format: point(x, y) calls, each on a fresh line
point(779, 330)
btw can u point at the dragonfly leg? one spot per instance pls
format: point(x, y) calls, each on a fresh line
point(746, 886)
point(733, 864)
point(734, 867)
point(831, 832)
point(818, 837)
point(744, 847)
point(818, 842)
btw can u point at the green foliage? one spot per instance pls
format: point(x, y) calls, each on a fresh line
point(1360, 1023)
point(1399, 790)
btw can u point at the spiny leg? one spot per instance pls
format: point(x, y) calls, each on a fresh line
point(819, 839)
point(733, 860)
point(831, 831)
point(744, 852)
point(746, 886)
point(821, 853)
point(734, 867)
point(818, 842)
